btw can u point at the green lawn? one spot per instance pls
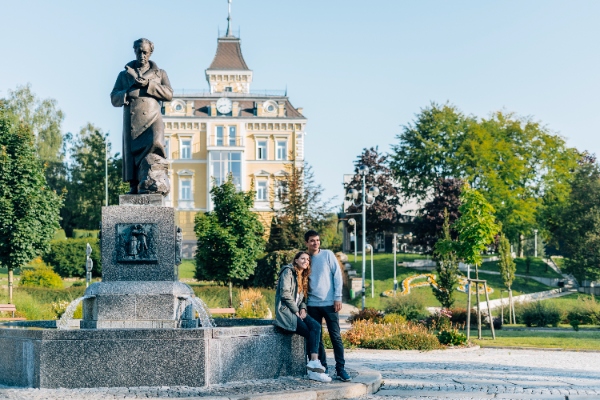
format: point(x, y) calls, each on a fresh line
point(187, 269)
point(567, 339)
point(537, 268)
point(383, 266)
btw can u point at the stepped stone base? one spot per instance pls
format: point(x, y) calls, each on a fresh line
point(50, 358)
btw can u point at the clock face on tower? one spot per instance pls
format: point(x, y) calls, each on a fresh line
point(224, 105)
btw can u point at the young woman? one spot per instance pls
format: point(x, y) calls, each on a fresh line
point(290, 311)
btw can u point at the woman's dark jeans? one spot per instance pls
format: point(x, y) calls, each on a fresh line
point(311, 330)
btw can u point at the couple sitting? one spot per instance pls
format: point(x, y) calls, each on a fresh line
point(308, 291)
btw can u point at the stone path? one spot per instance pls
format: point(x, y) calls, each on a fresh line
point(483, 374)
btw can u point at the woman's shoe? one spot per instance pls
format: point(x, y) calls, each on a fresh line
point(315, 366)
point(319, 377)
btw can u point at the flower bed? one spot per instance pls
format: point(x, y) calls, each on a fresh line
point(408, 284)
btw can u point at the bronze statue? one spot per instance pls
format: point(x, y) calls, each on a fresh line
point(140, 89)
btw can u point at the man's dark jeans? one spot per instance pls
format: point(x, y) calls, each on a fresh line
point(332, 320)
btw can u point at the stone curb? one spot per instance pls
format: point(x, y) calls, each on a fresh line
point(368, 381)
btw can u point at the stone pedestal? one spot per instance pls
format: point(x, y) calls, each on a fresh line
point(140, 287)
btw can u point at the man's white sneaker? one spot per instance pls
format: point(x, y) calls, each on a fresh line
point(317, 376)
point(315, 366)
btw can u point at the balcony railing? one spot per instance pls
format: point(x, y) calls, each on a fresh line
point(207, 93)
point(225, 141)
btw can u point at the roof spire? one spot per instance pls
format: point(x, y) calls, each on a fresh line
point(228, 34)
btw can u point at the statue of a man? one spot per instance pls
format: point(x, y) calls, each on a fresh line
point(140, 89)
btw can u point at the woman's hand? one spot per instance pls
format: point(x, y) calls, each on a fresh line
point(302, 313)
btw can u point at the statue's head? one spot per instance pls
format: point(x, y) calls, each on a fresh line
point(143, 50)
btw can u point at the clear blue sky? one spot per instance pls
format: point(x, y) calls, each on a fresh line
point(359, 69)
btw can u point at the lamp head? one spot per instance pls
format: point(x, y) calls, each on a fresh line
point(351, 222)
point(363, 170)
point(352, 194)
point(374, 191)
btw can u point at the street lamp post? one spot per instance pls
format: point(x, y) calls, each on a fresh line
point(366, 200)
point(394, 245)
point(352, 222)
point(535, 243)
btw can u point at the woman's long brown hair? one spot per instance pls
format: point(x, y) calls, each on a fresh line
point(302, 274)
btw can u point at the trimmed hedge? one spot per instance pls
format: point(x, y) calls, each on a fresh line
point(267, 269)
point(84, 233)
point(67, 257)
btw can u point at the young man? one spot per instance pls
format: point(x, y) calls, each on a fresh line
point(325, 299)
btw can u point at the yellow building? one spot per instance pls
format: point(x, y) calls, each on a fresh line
point(229, 129)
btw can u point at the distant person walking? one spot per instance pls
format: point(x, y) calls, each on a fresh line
point(290, 311)
point(325, 299)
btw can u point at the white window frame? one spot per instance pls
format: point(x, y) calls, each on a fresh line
point(185, 150)
point(262, 189)
point(284, 155)
point(231, 129)
point(262, 155)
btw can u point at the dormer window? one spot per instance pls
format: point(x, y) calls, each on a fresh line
point(178, 107)
point(270, 107)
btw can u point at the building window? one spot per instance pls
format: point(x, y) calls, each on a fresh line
point(280, 190)
point(282, 150)
point(220, 134)
point(186, 149)
point(232, 136)
point(224, 163)
point(261, 150)
point(261, 191)
point(178, 107)
point(228, 88)
point(185, 189)
point(167, 150)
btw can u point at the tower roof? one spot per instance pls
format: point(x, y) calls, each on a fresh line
point(229, 55)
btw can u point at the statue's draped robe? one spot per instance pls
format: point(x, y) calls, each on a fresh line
point(143, 128)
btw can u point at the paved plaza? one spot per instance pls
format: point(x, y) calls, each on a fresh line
point(445, 374)
point(483, 374)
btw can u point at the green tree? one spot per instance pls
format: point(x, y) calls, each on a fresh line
point(29, 210)
point(575, 222)
point(229, 237)
point(514, 162)
point(86, 187)
point(42, 116)
point(446, 266)
point(384, 213)
point(507, 270)
point(476, 226)
point(298, 206)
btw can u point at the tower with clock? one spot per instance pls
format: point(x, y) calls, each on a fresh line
point(229, 130)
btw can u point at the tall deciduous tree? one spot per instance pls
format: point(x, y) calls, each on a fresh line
point(431, 218)
point(42, 116)
point(29, 210)
point(229, 238)
point(514, 162)
point(298, 206)
point(86, 188)
point(385, 211)
point(446, 265)
point(575, 222)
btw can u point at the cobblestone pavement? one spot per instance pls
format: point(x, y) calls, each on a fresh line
point(483, 374)
point(237, 390)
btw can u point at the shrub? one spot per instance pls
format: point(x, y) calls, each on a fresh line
point(367, 314)
point(539, 313)
point(41, 275)
point(252, 304)
point(60, 234)
point(410, 307)
point(440, 320)
point(585, 312)
point(267, 268)
point(459, 316)
point(67, 257)
point(407, 336)
point(394, 319)
point(452, 337)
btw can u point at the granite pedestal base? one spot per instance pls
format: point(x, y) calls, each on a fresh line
point(123, 304)
point(48, 358)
